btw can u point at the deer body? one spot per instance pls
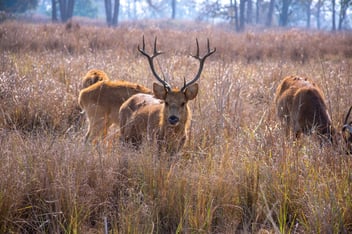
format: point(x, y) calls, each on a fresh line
point(301, 106)
point(164, 117)
point(101, 103)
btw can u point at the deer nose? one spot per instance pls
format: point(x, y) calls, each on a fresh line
point(173, 119)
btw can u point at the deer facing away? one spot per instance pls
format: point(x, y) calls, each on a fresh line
point(164, 116)
point(101, 101)
point(301, 106)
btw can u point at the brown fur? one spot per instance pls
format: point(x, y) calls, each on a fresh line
point(93, 76)
point(301, 106)
point(147, 116)
point(101, 103)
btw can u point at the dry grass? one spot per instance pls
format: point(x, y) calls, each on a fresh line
point(237, 172)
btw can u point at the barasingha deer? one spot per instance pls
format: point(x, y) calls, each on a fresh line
point(101, 99)
point(164, 116)
point(301, 107)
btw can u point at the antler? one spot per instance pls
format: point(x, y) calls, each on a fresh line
point(346, 125)
point(151, 64)
point(201, 64)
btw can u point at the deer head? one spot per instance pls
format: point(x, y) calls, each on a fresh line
point(175, 109)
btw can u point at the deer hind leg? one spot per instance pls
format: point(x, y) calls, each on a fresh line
point(98, 124)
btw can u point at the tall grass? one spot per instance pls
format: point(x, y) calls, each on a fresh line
point(237, 173)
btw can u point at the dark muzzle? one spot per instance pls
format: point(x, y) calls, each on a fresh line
point(173, 120)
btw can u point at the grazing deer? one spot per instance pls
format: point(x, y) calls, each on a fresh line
point(165, 116)
point(300, 105)
point(347, 132)
point(93, 76)
point(101, 101)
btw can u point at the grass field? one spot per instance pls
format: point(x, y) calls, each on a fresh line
point(237, 173)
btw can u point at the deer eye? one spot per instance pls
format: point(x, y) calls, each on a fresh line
point(183, 104)
point(166, 103)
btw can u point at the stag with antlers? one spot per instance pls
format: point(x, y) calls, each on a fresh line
point(164, 116)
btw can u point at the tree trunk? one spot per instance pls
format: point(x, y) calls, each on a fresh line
point(242, 18)
point(344, 4)
point(53, 11)
point(318, 6)
point(257, 10)
point(249, 11)
point(235, 8)
point(173, 6)
point(269, 18)
point(284, 13)
point(112, 14)
point(66, 9)
point(108, 12)
point(309, 12)
point(116, 13)
point(333, 15)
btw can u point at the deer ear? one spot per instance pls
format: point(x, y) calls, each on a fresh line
point(191, 91)
point(159, 91)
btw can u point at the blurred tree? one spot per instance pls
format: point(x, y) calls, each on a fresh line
point(344, 4)
point(249, 11)
point(258, 8)
point(85, 8)
point(112, 13)
point(54, 11)
point(242, 15)
point(17, 6)
point(233, 12)
point(284, 12)
point(333, 5)
point(173, 9)
point(65, 9)
point(308, 6)
point(269, 18)
point(318, 6)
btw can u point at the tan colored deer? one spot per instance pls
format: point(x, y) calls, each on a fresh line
point(301, 106)
point(101, 101)
point(165, 116)
point(93, 76)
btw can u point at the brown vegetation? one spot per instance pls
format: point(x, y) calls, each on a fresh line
point(237, 172)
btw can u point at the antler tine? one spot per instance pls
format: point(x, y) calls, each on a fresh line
point(348, 115)
point(346, 124)
point(151, 62)
point(197, 55)
point(201, 63)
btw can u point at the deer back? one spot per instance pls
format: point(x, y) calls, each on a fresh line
point(301, 105)
point(110, 94)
